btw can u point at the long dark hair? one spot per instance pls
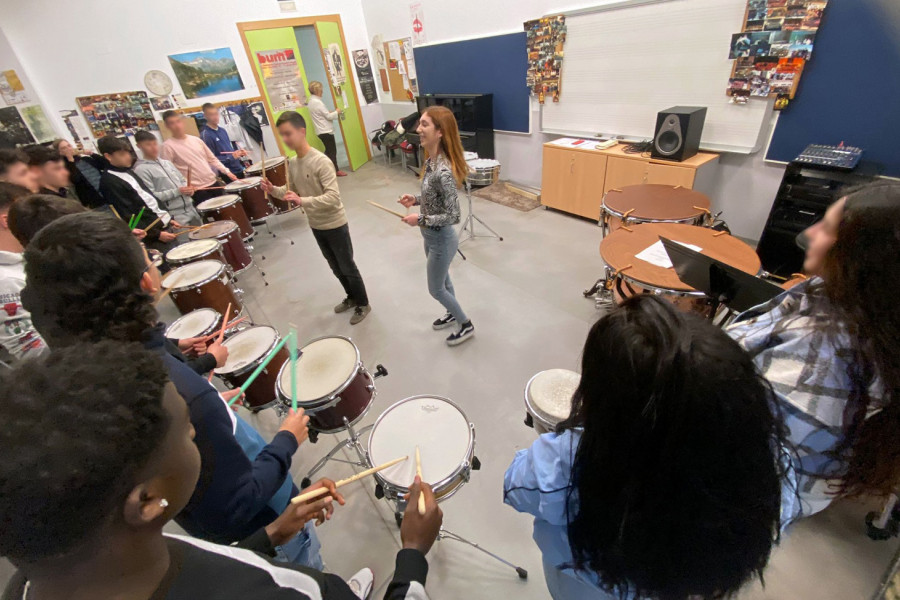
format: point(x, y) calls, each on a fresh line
point(83, 274)
point(862, 281)
point(676, 476)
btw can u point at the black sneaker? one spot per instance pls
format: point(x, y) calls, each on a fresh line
point(465, 332)
point(444, 322)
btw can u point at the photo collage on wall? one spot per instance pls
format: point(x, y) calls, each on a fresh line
point(546, 39)
point(118, 114)
point(773, 48)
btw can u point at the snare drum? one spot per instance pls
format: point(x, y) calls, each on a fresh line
point(652, 203)
point(483, 171)
point(203, 284)
point(246, 351)
point(227, 208)
point(197, 323)
point(275, 170)
point(193, 252)
point(548, 398)
point(255, 203)
point(619, 249)
point(332, 384)
point(446, 441)
point(228, 234)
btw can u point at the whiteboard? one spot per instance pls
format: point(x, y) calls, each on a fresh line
point(625, 64)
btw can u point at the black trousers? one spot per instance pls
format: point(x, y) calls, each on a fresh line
point(330, 148)
point(337, 248)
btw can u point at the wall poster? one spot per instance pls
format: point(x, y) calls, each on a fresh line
point(77, 128)
point(13, 131)
point(546, 40)
point(366, 78)
point(207, 72)
point(281, 78)
point(11, 88)
point(118, 114)
point(38, 123)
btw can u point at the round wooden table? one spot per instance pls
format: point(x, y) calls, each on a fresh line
point(634, 276)
point(650, 203)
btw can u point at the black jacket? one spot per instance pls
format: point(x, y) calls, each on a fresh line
point(126, 199)
point(84, 173)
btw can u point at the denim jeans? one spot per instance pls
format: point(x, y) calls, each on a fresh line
point(440, 248)
point(303, 549)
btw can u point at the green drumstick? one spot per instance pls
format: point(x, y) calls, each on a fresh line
point(260, 368)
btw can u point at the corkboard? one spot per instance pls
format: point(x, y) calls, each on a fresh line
point(398, 92)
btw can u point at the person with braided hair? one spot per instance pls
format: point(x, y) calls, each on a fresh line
point(90, 280)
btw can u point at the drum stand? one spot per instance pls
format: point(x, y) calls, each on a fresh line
point(467, 231)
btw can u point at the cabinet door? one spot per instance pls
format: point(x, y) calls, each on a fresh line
point(556, 182)
point(588, 176)
point(625, 171)
point(670, 175)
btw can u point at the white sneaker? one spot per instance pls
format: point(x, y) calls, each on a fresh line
point(362, 582)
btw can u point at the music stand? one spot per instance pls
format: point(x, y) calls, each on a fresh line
point(723, 283)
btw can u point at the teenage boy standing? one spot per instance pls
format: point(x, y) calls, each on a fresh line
point(218, 142)
point(193, 158)
point(314, 187)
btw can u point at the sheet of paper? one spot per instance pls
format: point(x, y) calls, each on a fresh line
point(401, 66)
point(570, 142)
point(657, 255)
point(411, 68)
point(406, 85)
point(394, 50)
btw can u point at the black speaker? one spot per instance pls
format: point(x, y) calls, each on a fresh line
point(678, 132)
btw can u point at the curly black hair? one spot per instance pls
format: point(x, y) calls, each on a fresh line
point(861, 272)
point(79, 424)
point(31, 213)
point(83, 274)
point(676, 476)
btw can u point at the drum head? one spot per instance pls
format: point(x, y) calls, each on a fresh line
point(271, 163)
point(483, 163)
point(193, 324)
point(325, 366)
point(435, 425)
point(656, 202)
point(191, 249)
point(248, 348)
point(243, 184)
point(216, 229)
point(218, 202)
point(550, 393)
point(193, 274)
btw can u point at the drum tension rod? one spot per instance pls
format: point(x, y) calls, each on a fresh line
point(615, 274)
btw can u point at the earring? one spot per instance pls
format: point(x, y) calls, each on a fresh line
point(163, 503)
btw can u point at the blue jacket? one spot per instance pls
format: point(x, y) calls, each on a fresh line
point(232, 496)
point(218, 143)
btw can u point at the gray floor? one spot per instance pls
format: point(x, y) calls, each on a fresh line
point(524, 296)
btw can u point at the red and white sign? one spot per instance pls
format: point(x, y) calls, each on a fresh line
point(417, 21)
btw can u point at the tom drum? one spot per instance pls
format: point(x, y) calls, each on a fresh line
point(194, 251)
point(652, 203)
point(228, 235)
point(255, 202)
point(246, 351)
point(227, 208)
point(203, 284)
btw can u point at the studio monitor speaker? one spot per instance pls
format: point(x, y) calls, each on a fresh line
point(678, 132)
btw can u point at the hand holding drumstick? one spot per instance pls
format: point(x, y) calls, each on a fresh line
point(419, 531)
point(409, 200)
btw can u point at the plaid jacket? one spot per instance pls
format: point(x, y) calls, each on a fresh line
point(796, 347)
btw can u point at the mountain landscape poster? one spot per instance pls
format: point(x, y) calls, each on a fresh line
point(207, 72)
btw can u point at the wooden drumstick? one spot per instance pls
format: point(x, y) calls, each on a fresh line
point(150, 226)
point(386, 209)
point(168, 290)
point(287, 175)
point(221, 334)
point(321, 491)
point(419, 473)
point(262, 153)
point(720, 233)
point(115, 212)
point(189, 176)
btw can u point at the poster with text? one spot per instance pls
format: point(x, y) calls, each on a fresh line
point(366, 78)
point(13, 131)
point(417, 21)
point(11, 88)
point(207, 72)
point(77, 127)
point(38, 124)
point(281, 78)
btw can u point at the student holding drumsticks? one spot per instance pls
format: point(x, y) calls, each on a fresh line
point(667, 479)
point(89, 279)
point(119, 458)
point(445, 170)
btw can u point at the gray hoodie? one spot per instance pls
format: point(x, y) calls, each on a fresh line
point(164, 179)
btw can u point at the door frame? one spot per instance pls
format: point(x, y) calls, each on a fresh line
point(293, 22)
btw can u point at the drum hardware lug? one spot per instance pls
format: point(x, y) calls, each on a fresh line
point(379, 491)
point(249, 247)
point(529, 420)
point(380, 371)
point(476, 464)
point(313, 436)
point(239, 290)
point(370, 388)
point(467, 471)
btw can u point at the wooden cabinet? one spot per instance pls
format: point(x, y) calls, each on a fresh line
point(574, 179)
point(570, 181)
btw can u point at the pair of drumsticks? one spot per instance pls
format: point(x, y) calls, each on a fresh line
point(321, 491)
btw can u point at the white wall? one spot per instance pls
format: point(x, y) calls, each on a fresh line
point(87, 47)
point(745, 186)
point(10, 60)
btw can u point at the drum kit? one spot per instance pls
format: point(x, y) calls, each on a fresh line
point(633, 219)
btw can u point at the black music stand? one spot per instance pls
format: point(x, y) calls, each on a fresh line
point(723, 283)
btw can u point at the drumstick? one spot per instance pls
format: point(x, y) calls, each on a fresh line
point(169, 289)
point(321, 491)
point(615, 190)
point(189, 176)
point(720, 233)
point(221, 335)
point(287, 175)
point(115, 212)
point(419, 473)
point(259, 369)
point(150, 226)
point(293, 350)
point(386, 209)
point(262, 153)
point(214, 187)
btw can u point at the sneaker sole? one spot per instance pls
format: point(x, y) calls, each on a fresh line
point(459, 341)
point(444, 326)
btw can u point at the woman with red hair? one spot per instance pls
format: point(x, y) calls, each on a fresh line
point(445, 170)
